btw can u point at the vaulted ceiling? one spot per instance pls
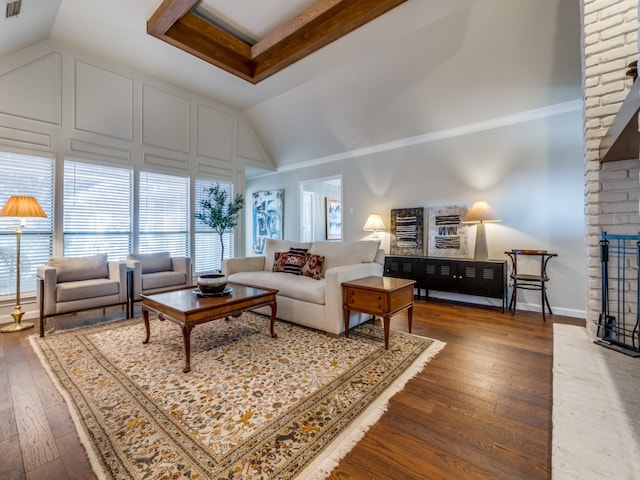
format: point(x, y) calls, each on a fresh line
point(422, 67)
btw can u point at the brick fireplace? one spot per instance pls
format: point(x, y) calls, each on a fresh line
point(612, 189)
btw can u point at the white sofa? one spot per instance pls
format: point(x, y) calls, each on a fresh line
point(304, 300)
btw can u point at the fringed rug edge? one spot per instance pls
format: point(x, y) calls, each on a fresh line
point(329, 459)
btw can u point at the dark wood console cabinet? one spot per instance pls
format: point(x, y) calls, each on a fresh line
point(487, 278)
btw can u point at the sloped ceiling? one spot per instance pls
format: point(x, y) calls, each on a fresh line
point(425, 66)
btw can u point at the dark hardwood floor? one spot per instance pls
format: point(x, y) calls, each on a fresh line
point(481, 409)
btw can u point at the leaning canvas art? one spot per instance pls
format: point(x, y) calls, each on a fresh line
point(407, 231)
point(447, 233)
point(267, 217)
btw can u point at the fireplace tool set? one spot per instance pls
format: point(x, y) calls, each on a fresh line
point(620, 332)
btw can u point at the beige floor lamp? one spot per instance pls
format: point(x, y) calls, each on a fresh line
point(21, 207)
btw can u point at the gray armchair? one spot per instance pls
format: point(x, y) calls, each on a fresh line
point(154, 272)
point(72, 284)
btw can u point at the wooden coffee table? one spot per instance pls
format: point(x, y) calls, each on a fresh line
point(187, 309)
point(383, 296)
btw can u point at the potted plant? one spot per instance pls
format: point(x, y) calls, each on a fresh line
point(219, 213)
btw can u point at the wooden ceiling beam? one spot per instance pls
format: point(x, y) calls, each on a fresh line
point(198, 37)
point(294, 26)
point(168, 13)
point(320, 24)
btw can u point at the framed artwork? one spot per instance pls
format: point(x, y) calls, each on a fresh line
point(407, 231)
point(333, 215)
point(267, 217)
point(447, 233)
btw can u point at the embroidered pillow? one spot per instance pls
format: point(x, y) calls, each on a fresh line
point(294, 260)
point(312, 266)
point(279, 259)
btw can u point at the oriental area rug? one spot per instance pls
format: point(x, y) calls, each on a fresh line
point(252, 407)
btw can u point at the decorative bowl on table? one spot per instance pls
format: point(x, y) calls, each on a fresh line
point(212, 283)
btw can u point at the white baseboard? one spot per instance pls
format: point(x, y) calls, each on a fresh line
point(496, 302)
point(567, 312)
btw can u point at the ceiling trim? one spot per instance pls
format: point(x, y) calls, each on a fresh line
point(320, 24)
point(499, 122)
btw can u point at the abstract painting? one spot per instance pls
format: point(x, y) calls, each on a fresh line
point(267, 217)
point(333, 213)
point(447, 233)
point(407, 231)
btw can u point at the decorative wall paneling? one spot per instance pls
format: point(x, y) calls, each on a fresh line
point(249, 147)
point(42, 79)
point(60, 101)
point(96, 150)
point(103, 102)
point(214, 133)
point(165, 120)
point(24, 138)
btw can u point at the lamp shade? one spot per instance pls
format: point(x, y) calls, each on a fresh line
point(481, 212)
point(374, 223)
point(22, 206)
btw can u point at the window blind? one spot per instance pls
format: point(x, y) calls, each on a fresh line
point(33, 176)
point(164, 214)
point(97, 210)
point(207, 241)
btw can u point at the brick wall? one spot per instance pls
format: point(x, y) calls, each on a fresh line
point(612, 190)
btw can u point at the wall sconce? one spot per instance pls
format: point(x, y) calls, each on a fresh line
point(481, 213)
point(374, 224)
point(21, 207)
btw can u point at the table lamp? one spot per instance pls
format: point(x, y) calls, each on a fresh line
point(373, 224)
point(481, 213)
point(21, 207)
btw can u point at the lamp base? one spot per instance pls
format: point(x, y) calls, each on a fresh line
point(17, 327)
point(481, 252)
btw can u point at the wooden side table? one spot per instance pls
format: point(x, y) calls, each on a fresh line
point(378, 296)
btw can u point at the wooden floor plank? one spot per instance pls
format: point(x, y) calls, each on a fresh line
point(481, 409)
point(11, 466)
point(34, 432)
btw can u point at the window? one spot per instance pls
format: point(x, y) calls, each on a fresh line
point(97, 210)
point(33, 176)
point(164, 214)
point(207, 241)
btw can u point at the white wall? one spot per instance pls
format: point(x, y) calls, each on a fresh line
point(57, 101)
point(529, 169)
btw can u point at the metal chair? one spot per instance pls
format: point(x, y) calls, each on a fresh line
point(530, 281)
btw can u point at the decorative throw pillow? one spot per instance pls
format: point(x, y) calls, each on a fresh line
point(312, 266)
point(295, 260)
point(279, 258)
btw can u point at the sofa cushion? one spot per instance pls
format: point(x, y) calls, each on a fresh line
point(75, 269)
point(294, 260)
point(312, 266)
point(338, 254)
point(271, 246)
point(293, 286)
point(153, 262)
point(83, 289)
point(154, 280)
point(279, 259)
